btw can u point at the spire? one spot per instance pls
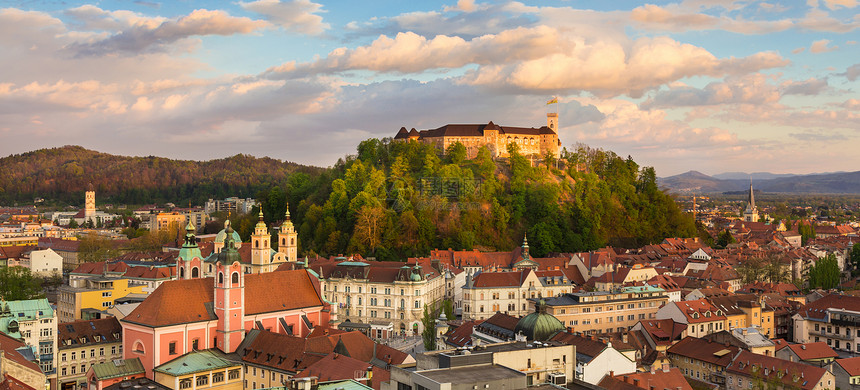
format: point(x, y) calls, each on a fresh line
point(287, 225)
point(525, 247)
point(752, 197)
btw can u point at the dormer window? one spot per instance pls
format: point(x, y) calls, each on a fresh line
point(695, 315)
point(708, 314)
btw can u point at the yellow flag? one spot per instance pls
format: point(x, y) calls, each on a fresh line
point(554, 100)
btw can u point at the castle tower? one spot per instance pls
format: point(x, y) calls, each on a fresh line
point(90, 202)
point(751, 212)
point(260, 247)
point(189, 262)
point(552, 121)
point(229, 297)
point(288, 239)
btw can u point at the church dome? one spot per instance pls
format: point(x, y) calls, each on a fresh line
point(229, 254)
point(539, 326)
point(222, 235)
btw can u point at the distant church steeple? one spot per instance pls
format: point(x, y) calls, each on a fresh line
point(751, 212)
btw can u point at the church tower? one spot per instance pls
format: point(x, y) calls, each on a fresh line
point(751, 212)
point(90, 202)
point(288, 239)
point(260, 247)
point(189, 263)
point(229, 302)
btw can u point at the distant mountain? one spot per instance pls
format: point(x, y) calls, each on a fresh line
point(756, 176)
point(62, 174)
point(694, 182)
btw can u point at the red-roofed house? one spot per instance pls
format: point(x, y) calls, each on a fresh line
point(816, 354)
point(701, 317)
point(17, 369)
point(846, 372)
point(669, 378)
point(749, 368)
point(508, 292)
point(833, 319)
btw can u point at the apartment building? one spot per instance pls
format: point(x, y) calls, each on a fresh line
point(604, 312)
point(508, 292)
point(833, 319)
point(87, 298)
point(82, 344)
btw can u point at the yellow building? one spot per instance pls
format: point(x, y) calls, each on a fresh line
point(84, 297)
point(606, 312)
point(163, 221)
point(207, 369)
point(745, 311)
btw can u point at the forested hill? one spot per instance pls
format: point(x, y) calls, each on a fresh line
point(394, 200)
point(63, 174)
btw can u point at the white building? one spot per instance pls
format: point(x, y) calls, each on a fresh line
point(45, 262)
point(34, 322)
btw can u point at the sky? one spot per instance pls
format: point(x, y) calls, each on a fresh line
point(707, 85)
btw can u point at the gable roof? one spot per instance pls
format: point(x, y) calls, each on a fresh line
point(117, 368)
point(10, 348)
point(810, 351)
point(659, 379)
point(769, 368)
point(501, 279)
point(850, 365)
point(190, 300)
point(83, 332)
point(705, 350)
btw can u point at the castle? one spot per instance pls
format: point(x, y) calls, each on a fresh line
point(531, 141)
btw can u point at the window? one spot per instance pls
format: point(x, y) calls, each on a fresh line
point(102, 351)
point(185, 384)
point(106, 294)
point(93, 353)
point(195, 344)
point(202, 380)
point(172, 348)
point(74, 356)
point(218, 377)
point(63, 357)
point(233, 374)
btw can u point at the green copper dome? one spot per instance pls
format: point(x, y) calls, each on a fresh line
point(539, 326)
point(222, 235)
point(229, 253)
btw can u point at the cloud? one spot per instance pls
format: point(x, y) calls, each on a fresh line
point(749, 89)
point(463, 6)
point(144, 38)
point(837, 4)
point(819, 135)
point(798, 50)
point(853, 72)
point(296, 15)
point(809, 87)
point(820, 46)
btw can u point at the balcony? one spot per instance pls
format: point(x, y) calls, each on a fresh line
point(824, 333)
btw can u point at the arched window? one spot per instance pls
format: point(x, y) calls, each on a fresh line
point(181, 273)
point(256, 243)
point(138, 347)
point(220, 278)
point(195, 273)
point(283, 241)
point(402, 304)
point(235, 278)
point(209, 267)
point(292, 241)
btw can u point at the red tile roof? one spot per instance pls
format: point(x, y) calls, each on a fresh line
point(77, 333)
point(501, 279)
point(659, 379)
point(850, 365)
point(10, 383)
point(704, 310)
point(185, 301)
point(810, 351)
point(818, 308)
point(704, 350)
point(9, 347)
point(335, 367)
point(278, 351)
point(767, 368)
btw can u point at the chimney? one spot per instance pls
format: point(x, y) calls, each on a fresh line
point(611, 373)
point(636, 382)
point(626, 379)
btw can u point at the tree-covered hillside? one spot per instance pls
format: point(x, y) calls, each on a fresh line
point(63, 174)
point(398, 199)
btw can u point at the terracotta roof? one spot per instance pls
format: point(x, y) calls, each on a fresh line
point(58, 244)
point(796, 375)
point(779, 344)
point(278, 351)
point(587, 346)
point(704, 350)
point(810, 351)
point(9, 346)
point(850, 365)
point(663, 332)
point(334, 367)
point(702, 308)
point(84, 332)
point(818, 308)
point(10, 383)
point(359, 347)
point(659, 379)
point(461, 336)
point(503, 321)
point(190, 300)
point(501, 279)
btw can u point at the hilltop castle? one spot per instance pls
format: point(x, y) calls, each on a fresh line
point(532, 141)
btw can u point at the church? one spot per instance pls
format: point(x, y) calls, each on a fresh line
point(216, 310)
point(531, 141)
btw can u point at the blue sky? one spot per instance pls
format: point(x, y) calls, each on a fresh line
point(710, 85)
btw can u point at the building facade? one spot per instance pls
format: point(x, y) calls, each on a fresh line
point(605, 312)
point(83, 344)
point(509, 292)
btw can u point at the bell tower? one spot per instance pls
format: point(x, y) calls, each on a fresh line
point(229, 302)
point(260, 246)
point(189, 262)
point(288, 239)
point(90, 202)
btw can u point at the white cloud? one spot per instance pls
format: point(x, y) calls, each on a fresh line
point(296, 15)
point(821, 46)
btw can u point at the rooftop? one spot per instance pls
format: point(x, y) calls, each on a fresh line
point(196, 361)
point(471, 374)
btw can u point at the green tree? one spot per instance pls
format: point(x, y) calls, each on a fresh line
point(825, 274)
point(456, 153)
point(94, 248)
point(73, 224)
point(448, 309)
point(17, 283)
point(855, 256)
point(429, 333)
point(724, 239)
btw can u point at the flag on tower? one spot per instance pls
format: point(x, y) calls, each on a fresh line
point(554, 100)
